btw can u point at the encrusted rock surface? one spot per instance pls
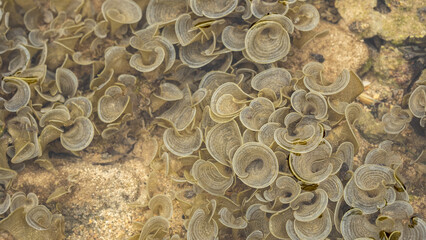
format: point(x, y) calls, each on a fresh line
point(393, 20)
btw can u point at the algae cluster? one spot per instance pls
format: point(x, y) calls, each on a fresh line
point(267, 153)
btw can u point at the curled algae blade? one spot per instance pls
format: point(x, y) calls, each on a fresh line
point(119, 12)
point(311, 103)
point(182, 144)
point(255, 164)
point(161, 205)
point(314, 166)
point(39, 217)
point(273, 78)
point(164, 11)
point(220, 150)
point(20, 98)
point(210, 178)
point(318, 228)
point(112, 105)
point(417, 101)
point(267, 48)
point(285, 189)
point(153, 225)
point(260, 8)
point(396, 120)
point(200, 227)
point(257, 113)
point(66, 81)
point(300, 134)
point(307, 18)
point(233, 38)
point(213, 9)
point(229, 220)
point(309, 205)
point(79, 136)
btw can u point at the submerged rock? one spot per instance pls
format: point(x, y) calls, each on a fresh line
point(391, 67)
point(393, 21)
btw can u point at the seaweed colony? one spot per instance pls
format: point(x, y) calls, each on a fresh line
point(268, 152)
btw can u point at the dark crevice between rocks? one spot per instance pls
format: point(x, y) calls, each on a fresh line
point(382, 7)
point(375, 42)
point(415, 123)
point(418, 65)
point(416, 54)
point(412, 52)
